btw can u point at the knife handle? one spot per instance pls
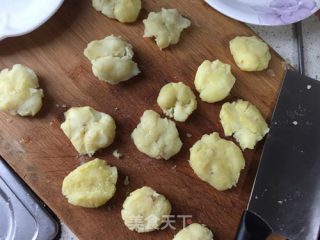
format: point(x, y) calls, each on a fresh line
point(252, 227)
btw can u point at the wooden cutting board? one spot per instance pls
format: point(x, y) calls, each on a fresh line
point(42, 155)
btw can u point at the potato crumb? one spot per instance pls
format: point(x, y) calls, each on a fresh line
point(285, 64)
point(287, 61)
point(271, 73)
point(116, 154)
point(308, 87)
point(126, 181)
point(295, 123)
point(189, 135)
point(82, 159)
point(61, 105)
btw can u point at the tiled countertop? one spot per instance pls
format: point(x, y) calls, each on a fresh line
point(282, 39)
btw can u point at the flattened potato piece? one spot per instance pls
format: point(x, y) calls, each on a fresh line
point(125, 11)
point(144, 210)
point(216, 161)
point(109, 46)
point(91, 184)
point(166, 26)
point(194, 231)
point(177, 100)
point(214, 81)
point(114, 70)
point(19, 91)
point(250, 53)
point(244, 121)
point(157, 137)
point(88, 129)
point(111, 59)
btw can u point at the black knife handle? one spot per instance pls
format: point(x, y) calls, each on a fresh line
point(252, 227)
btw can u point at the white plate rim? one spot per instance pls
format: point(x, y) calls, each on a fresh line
point(49, 14)
point(243, 17)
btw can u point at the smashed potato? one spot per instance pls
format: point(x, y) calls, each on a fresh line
point(125, 11)
point(177, 100)
point(145, 210)
point(19, 91)
point(166, 26)
point(109, 46)
point(155, 136)
point(194, 231)
point(88, 129)
point(114, 70)
point(111, 59)
point(216, 161)
point(90, 185)
point(214, 81)
point(244, 121)
point(250, 53)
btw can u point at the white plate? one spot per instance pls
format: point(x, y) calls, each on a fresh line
point(18, 17)
point(266, 12)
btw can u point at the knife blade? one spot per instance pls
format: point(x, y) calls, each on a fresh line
point(285, 198)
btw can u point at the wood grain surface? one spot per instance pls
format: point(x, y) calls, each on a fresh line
point(42, 155)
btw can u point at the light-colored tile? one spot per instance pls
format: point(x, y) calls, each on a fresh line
point(66, 233)
point(283, 40)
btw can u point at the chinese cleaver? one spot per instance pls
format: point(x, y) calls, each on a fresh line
point(285, 198)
